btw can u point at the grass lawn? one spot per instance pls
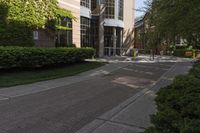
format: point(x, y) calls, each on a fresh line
point(19, 77)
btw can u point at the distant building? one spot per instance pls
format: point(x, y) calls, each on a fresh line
point(140, 27)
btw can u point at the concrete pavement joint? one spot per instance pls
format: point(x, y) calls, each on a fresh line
point(120, 123)
point(151, 67)
point(4, 97)
point(122, 106)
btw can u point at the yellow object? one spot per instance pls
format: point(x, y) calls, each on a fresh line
point(194, 54)
point(134, 54)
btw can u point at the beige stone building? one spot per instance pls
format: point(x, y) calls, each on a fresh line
point(106, 25)
point(74, 7)
point(116, 27)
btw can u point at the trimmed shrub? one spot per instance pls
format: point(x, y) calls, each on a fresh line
point(196, 69)
point(178, 107)
point(184, 53)
point(181, 47)
point(23, 57)
point(198, 53)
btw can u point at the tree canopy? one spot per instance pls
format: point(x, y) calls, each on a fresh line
point(174, 18)
point(20, 17)
point(33, 13)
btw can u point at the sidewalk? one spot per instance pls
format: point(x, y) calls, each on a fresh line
point(21, 90)
point(115, 63)
point(132, 116)
point(142, 59)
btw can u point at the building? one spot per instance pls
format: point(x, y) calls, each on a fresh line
point(140, 30)
point(141, 27)
point(106, 25)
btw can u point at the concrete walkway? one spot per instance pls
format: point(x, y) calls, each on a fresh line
point(132, 116)
point(115, 98)
point(142, 59)
point(22, 90)
point(115, 64)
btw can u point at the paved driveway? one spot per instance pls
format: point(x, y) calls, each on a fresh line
point(67, 109)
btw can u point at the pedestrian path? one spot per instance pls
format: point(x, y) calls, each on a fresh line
point(21, 90)
point(132, 116)
point(142, 59)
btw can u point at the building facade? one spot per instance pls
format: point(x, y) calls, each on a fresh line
point(106, 25)
point(74, 7)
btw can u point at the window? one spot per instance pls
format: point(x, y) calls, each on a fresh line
point(85, 32)
point(110, 9)
point(64, 37)
point(121, 9)
point(108, 37)
point(85, 3)
point(93, 4)
point(35, 35)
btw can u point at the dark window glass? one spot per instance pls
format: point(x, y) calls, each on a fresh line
point(121, 10)
point(85, 32)
point(64, 37)
point(110, 9)
point(108, 37)
point(93, 4)
point(94, 32)
point(85, 3)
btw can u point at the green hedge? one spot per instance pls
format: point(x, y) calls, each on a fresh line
point(196, 70)
point(181, 52)
point(178, 107)
point(181, 47)
point(23, 57)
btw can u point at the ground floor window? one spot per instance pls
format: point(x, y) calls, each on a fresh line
point(85, 32)
point(64, 38)
point(109, 36)
point(119, 37)
point(64, 32)
point(95, 32)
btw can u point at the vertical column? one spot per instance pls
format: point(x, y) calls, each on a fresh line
point(101, 33)
point(116, 9)
point(121, 42)
point(121, 38)
point(114, 40)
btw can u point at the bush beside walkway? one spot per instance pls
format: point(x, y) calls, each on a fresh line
point(178, 105)
point(23, 57)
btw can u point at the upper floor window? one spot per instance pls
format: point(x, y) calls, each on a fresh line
point(110, 9)
point(85, 32)
point(93, 4)
point(85, 3)
point(121, 9)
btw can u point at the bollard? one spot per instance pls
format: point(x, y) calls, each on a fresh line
point(194, 54)
point(134, 54)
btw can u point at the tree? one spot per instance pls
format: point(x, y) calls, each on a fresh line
point(20, 17)
point(175, 18)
